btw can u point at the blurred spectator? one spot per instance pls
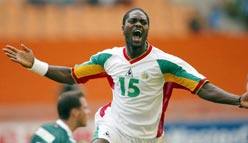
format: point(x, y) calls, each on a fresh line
point(68, 2)
point(38, 2)
point(124, 2)
point(238, 10)
point(195, 23)
point(107, 2)
point(220, 15)
point(56, 2)
point(215, 16)
point(93, 2)
point(110, 2)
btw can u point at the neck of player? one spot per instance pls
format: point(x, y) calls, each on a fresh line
point(136, 51)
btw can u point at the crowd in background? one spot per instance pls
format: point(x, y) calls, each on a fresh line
point(92, 2)
point(222, 15)
point(65, 18)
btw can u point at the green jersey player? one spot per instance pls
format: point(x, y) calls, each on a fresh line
point(73, 113)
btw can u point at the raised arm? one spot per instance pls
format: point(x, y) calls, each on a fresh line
point(27, 59)
point(213, 93)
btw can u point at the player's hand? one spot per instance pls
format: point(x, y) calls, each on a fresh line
point(244, 100)
point(24, 57)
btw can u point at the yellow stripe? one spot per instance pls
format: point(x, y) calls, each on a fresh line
point(188, 83)
point(87, 70)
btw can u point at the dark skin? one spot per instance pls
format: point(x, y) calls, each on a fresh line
point(136, 21)
point(136, 46)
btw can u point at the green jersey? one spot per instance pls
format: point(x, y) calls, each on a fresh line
point(57, 132)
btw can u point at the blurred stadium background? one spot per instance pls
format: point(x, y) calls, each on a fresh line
point(210, 34)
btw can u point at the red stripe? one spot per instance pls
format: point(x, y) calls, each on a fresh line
point(199, 85)
point(125, 54)
point(168, 88)
point(73, 74)
point(110, 81)
point(104, 108)
point(166, 97)
point(138, 58)
point(86, 78)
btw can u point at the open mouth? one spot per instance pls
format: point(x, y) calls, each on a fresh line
point(137, 35)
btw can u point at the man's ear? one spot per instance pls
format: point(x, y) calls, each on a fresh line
point(74, 112)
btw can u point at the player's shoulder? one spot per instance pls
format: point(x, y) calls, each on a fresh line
point(113, 50)
point(43, 134)
point(107, 53)
point(49, 125)
point(52, 128)
point(160, 54)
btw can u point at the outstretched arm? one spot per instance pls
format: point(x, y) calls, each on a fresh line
point(60, 74)
point(27, 59)
point(215, 94)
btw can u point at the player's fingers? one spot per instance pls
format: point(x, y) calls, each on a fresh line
point(11, 56)
point(8, 51)
point(14, 60)
point(25, 48)
point(11, 48)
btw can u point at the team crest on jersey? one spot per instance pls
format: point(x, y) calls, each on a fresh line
point(129, 73)
point(144, 75)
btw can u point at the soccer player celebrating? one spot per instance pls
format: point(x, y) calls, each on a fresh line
point(141, 77)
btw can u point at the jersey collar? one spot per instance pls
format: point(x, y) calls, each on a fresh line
point(149, 49)
point(66, 128)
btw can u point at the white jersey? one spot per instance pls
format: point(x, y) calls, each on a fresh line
point(141, 87)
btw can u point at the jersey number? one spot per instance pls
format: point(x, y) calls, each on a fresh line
point(133, 90)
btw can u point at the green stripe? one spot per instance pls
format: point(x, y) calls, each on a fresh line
point(96, 133)
point(100, 58)
point(170, 67)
